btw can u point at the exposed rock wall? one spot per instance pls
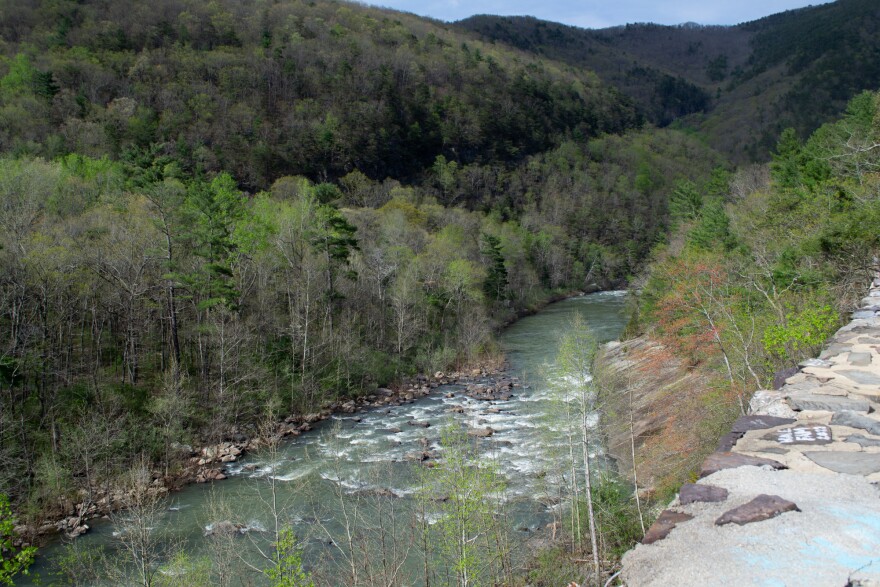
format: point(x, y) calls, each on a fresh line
point(646, 394)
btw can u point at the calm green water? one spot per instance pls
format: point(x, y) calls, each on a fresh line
point(346, 460)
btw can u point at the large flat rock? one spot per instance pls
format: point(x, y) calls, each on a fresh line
point(855, 420)
point(828, 403)
point(859, 359)
point(759, 509)
point(719, 461)
point(861, 377)
point(698, 492)
point(863, 440)
point(747, 423)
point(804, 434)
point(849, 463)
point(824, 546)
point(660, 529)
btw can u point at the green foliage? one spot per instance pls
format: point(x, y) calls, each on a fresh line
point(495, 284)
point(712, 230)
point(466, 531)
point(686, 202)
point(802, 334)
point(617, 517)
point(12, 560)
point(288, 570)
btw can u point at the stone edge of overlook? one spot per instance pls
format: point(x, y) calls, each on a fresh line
point(822, 429)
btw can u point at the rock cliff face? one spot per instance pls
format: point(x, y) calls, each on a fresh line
point(650, 401)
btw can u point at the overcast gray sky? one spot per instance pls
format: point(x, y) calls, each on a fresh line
point(603, 13)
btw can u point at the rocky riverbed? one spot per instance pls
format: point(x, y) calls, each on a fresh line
point(486, 381)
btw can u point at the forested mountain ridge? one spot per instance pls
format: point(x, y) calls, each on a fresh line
point(741, 85)
point(266, 89)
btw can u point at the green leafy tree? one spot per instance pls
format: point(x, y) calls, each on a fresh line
point(12, 560)
point(495, 285)
point(288, 568)
point(469, 533)
point(216, 208)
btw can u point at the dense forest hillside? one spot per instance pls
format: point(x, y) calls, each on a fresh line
point(266, 89)
point(740, 86)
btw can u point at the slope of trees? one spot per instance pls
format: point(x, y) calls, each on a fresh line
point(740, 86)
point(143, 308)
point(267, 89)
point(763, 269)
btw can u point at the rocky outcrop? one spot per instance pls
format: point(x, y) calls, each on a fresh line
point(801, 475)
point(645, 390)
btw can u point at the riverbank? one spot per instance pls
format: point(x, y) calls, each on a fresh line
point(208, 463)
point(790, 496)
point(484, 380)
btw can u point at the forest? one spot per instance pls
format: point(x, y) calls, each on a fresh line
point(215, 215)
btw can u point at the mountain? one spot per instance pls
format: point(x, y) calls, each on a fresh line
point(739, 85)
point(266, 89)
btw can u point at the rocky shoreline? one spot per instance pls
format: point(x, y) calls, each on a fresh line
point(486, 381)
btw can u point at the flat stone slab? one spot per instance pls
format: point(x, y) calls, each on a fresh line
point(861, 377)
point(747, 423)
point(729, 460)
point(780, 377)
point(863, 440)
point(816, 363)
point(849, 463)
point(855, 420)
point(660, 529)
point(728, 441)
point(759, 509)
point(801, 435)
point(834, 349)
point(828, 403)
point(863, 314)
point(859, 359)
point(694, 492)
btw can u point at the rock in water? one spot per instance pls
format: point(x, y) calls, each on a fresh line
point(761, 508)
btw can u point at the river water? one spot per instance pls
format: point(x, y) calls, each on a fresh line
point(336, 472)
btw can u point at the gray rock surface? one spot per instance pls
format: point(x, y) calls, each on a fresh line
point(863, 440)
point(828, 403)
point(854, 420)
point(861, 377)
point(849, 463)
point(759, 422)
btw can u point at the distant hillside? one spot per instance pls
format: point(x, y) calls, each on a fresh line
point(266, 89)
point(739, 85)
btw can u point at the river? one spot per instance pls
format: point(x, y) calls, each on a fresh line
point(341, 469)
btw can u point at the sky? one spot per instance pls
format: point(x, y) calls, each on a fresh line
point(602, 13)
